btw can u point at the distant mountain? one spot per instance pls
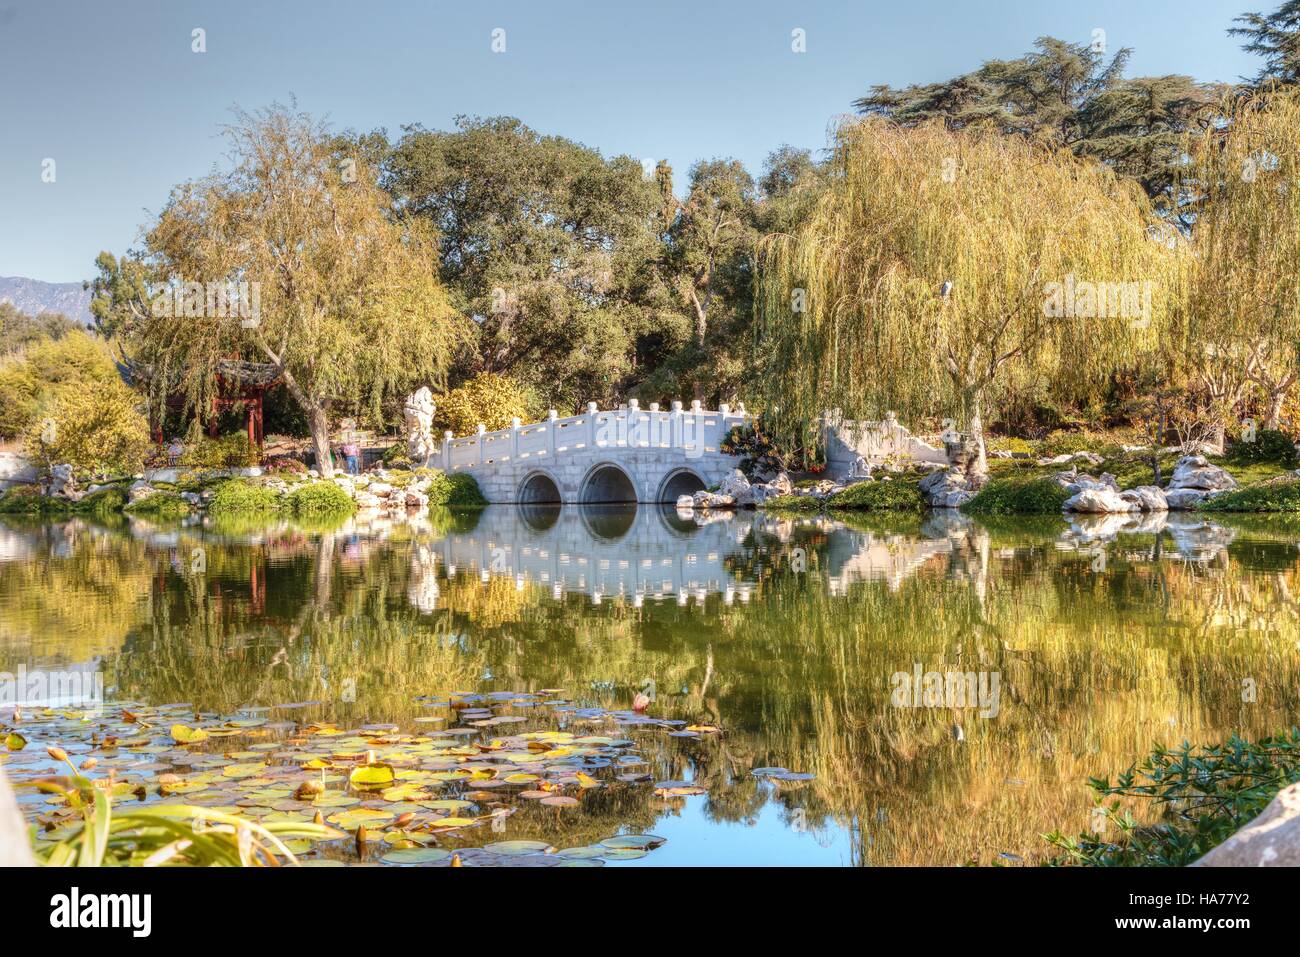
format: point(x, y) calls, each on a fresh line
point(33, 296)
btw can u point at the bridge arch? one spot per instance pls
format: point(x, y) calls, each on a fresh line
point(607, 484)
point(678, 482)
point(539, 487)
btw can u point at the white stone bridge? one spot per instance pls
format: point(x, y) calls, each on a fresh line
point(627, 454)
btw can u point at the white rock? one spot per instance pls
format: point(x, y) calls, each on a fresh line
point(416, 499)
point(1193, 471)
point(1149, 498)
point(686, 502)
point(1098, 500)
point(1270, 840)
point(734, 484)
point(381, 489)
point(140, 490)
point(1184, 498)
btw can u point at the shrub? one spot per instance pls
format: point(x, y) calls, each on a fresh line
point(396, 456)
point(1273, 496)
point(28, 500)
point(320, 498)
point(1270, 445)
point(1018, 496)
point(94, 428)
point(1203, 795)
point(235, 496)
point(104, 501)
point(458, 490)
point(224, 452)
point(160, 505)
point(488, 398)
point(891, 496)
point(793, 503)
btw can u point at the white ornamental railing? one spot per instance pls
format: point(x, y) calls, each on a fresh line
point(695, 431)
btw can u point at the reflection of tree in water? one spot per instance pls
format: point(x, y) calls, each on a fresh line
point(1093, 665)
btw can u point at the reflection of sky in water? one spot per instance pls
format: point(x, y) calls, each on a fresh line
point(783, 630)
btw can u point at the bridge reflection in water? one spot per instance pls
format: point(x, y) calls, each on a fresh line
point(605, 551)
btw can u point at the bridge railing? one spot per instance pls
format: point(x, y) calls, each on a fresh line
point(695, 430)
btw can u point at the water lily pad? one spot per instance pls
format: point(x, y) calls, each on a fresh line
point(416, 855)
point(512, 848)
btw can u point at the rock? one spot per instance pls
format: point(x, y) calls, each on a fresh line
point(366, 500)
point(784, 486)
point(1075, 482)
point(416, 499)
point(1148, 498)
point(15, 846)
point(1270, 840)
point(193, 498)
point(62, 483)
point(1184, 498)
point(707, 500)
point(139, 490)
point(380, 489)
point(734, 484)
point(1098, 500)
point(947, 488)
point(1092, 458)
point(1194, 471)
point(686, 502)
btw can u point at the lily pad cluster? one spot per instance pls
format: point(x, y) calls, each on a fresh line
point(475, 780)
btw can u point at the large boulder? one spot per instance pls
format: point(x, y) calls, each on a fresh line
point(707, 500)
point(139, 490)
point(1149, 498)
point(947, 488)
point(1098, 500)
point(1194, 471)
point(1271, 840)
point(685, 502)
point(734, 484)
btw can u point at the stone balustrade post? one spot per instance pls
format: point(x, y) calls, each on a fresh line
point(446, 450)
point(675, 425)
point(551, 416)
point(515, 423)
point(591, 425)
point(478, 435)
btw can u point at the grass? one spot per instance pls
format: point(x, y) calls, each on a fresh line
point(1018, 496)
point(792, 503)
point(1267, 496)
point(891, 496)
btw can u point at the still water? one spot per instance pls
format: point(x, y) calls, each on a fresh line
point(1086, 643)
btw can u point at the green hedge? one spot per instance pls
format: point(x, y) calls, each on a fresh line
point(458, 490)
point(320, 498)
point(891, 496)
point(234, 496)
point(1018, 496)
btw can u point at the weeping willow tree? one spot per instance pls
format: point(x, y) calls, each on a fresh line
point(937, 263)
point(292, 257)
point(1238, 326)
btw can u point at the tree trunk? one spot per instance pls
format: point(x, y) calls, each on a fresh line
point(1275, 401)
point(320, 441)
point(974, 405)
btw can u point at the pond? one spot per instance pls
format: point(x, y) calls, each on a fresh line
point(909, 689)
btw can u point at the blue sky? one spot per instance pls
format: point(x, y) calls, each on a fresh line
point(114, 95)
